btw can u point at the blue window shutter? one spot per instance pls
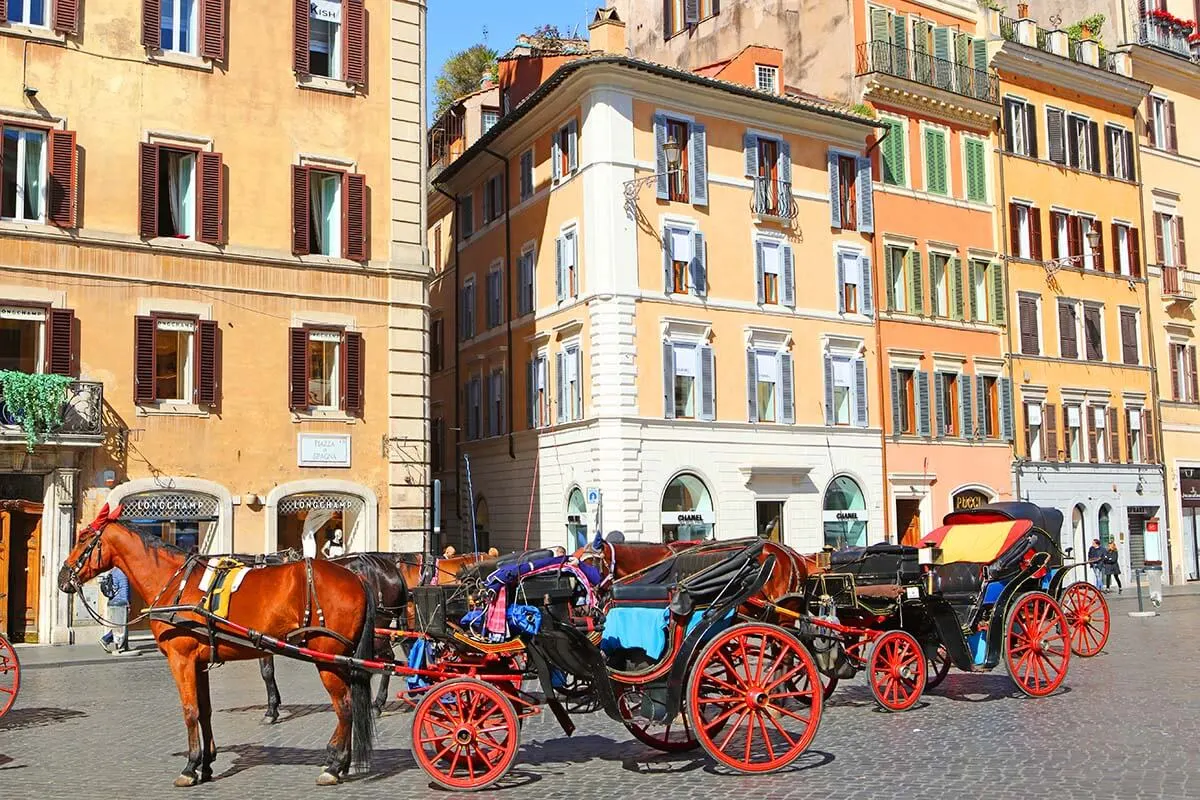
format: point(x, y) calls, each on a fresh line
point(785, 166)
point(835, 195)
point(660, 138)
point(572, 145)
point(668, 262)
point(531, 394)
point(939, 391)
point(861, 416)
point(922, 403)
point(668, 381)
point(867, 289)
point(708, 384)
point(560, 385)
point(980, 408)
point(559, 287)
point(698, 155)
point(1006, 410)
point(841, 282)
point(789, 277)
point(750, 149)
point(758, 272)
point(965, 412)
point(866, 201)
point(897, 423)
point(574, 241)
point(787, 390)
point(829, 390)
point(699, 266)
point(752, 384)
point(579, 380)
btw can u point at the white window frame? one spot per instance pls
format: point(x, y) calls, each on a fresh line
point(43, 178)
point(766, 242)
point(1063, 237)
point(766, 78)
point(1039, 456)
point(1084, 153)
point(1167, 218)
point(697, 376)
point(900, 290)
point(34, 316)
point(484, 127)
point(570, 234)
point(774, 356)
point(935, 290)
point(1076, 437)
point(861, 256)
point(1124, 265)
point(851, 389)
point(1118, 153)
point(171, 9)
point(1100, 422)
point(541, 382)
point(1158, 119)
point(982, 291)
point(1135, 440)
point(1025, 234)
point(26, 7)
point(335, 381)
point(573, 363)
point(336, 46)
point(1022, 108)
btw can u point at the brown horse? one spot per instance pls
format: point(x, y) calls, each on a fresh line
point(274, 601)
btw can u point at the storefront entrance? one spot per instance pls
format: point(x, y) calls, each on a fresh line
point(687, 511)
point(317, 516)
point(577, 516)
point(1189, 493)
point(908, 522)
point(845, 514)
point(20, 569)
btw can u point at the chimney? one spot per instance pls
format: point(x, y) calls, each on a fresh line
point(606, 34)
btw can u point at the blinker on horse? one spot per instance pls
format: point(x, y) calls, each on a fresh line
point(275, 601)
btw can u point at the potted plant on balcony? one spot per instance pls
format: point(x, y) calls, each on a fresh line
point(35, 402)
point(1022, 10)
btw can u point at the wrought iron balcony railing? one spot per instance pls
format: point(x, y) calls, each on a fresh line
point(1173, 286)
point(82, 415)
point(950, 76)
point(1164, 35)
point(1105, 61)
point(773, 198)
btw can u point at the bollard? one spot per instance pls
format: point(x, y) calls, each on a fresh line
point(1141, 612)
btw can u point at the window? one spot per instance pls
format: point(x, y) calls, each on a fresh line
point(854, 279)
point(678, 15)
point(1097, 430)
point(564, 158)
point(526, 175)
point(1120, 152)
point(685, 380)
point(1064, 233)
point(848, 191)
point(567, 251)
point(769, 514)
point(775, 268)
point(437, 445)
point(851, 202)
point(493, 198)
point(527, 297)
point(496, 419)
point(766, 79)
point(466, 216)
point(570, 384)
point(1125, 257)
point(772, 189)
point(1029, 326)
point(946, 386)
point(679, 256)
point(1160, 126)
point(1083, 146)
point(1093, 333)
point(937, 173)
point(1183, 373)
point(906, 401)
point(1068, 330)
point(179, 27)
point(437, 344)
point(177, 199)
point(939, 284)
point(324, 38)
point(495, 298)
point(23, 194)
point(677, 180)
point(1020, 128)
point(474, 403)
point(1074, 433)
point(23, 339)
point(28, 12)
point(1169, 242)
point(976, 163)
point(1026, 231)
point(538, 399)
point(900, 278)
point(1092, 259)
point(489, 117)
point(324, 369)
point(437, 247)
point(980, 301)
point(989, 405)
point(767, 386)
point(1033, 431)
point(467, 312)
point(1133, 435)
point(845, 390)
point(893, 153)
point(1129, 337)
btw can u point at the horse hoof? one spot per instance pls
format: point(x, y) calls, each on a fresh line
point(184, 781)
point(327, 778)
point(269, 719)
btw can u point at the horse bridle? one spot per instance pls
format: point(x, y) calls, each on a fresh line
point(598, 555)
point(93, 547)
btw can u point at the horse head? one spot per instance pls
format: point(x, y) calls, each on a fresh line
point(88, 558)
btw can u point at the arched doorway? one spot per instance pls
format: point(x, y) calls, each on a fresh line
point(1079, 531)
point(577, 532)
point(687, 510)
point(968, 499)
point(1103, 528)
point(845, 514)
point(320, 515)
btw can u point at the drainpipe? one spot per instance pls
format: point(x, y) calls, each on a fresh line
point(453, 270)
point(507, 305)
point(1005, 247)
point(875, 259)
point(1150, 337)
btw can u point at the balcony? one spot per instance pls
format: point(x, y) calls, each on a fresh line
point(1059, 43)
point(773, 199)
point(82, 417)
point(1165, 35)
point(903, 62)
point(1174, 288)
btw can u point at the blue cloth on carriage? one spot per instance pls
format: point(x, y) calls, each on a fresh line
point(520, 618)
point(632, 628)
point(416, 660)
point(511, 574)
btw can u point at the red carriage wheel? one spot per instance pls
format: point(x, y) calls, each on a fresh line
point(1037, 644)
point(896, 671)
point(10, 676)
point(937, 668)
point(1087, 616)
point(754, 698)
point(673, 736)
point(465, 734)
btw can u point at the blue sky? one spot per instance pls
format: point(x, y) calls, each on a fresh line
point(454, 26)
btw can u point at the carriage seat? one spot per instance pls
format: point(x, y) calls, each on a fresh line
point(879, 563)
point(882, 591)
point(643, 593)
point(520, 558)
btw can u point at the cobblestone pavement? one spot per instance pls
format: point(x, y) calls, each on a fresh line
point(1125, 726)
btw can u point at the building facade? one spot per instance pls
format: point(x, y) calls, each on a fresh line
point(670, 341)
point(218, 245)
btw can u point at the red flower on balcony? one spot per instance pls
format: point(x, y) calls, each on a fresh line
point(1167, 18)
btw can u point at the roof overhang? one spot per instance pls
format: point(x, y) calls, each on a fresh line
point(1013, 58)
point(885, 89)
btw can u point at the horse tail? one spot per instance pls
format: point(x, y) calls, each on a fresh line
point(362, 740)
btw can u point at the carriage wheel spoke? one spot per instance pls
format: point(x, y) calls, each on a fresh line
point(791, 742)
point(794, 671)
point(733, 729)
point(766, 736)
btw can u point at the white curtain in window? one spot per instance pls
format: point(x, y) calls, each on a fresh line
point(186, 215)
point(315, 520)
point(34, 144)
point(681, 245)
point(772, 258)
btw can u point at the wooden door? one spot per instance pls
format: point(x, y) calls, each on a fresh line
point(908, 521)
point(5, 544)
point(33, 578)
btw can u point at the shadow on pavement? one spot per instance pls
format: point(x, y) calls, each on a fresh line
point(22, 718)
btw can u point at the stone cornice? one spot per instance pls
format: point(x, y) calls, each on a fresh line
point(885, 89)
point(1019, 59)
point(1158, 64)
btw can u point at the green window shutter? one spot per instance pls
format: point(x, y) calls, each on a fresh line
point(971, 282)
point(935, 162)
point(899, 31)
point(893, 154)
point(930, 169)
point(934, 311)
point(880, 25)
point(979, 54)
point(916, 291)
point(996, 278)
point(976, 171)
point(962, 46)
point(956, 288)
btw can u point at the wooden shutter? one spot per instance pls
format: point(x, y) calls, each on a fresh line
point(708, 389)
point(1112, 135)
point(661, 178)
point(1159, 248)
point(63, 193)
point(1054, 239)
point(1029, 327)
point(1129, 345)
point(300, 212)
point(152, 23)
point(300, 10)
point(207, 364)
point(212, 29)
point(698, 155)
point(1092, 334)
point(1176, 387)
point(1031, 131)
point(866, 189)
point(897, 401)
point(354, 218)
point(699, 265)
point(66, 16)
point(354, 20)
point(835, 183)
point(1068, 342)
point(1116, 248)
point(1135, 253)
point(1130, 161)
point(1194, 391)
point(1129, 436)
point(1180, 243)
point(60, 341)
point(1098, 257)
point(353, 373)
point(1092, 433)
point(210, 211)
point(1148, 437)
point(1074, 236)
point(148, 190)
point(1094, 144)
point(1035, 233)
point(1014, 230)
point(1172, 139)
point(1114, 436)
point(143, 360)
point(1150, 132)
point(752, 386)
point(1050, 431)
point(788, 278)
point(297, 369)
point(787, 390)
point(1055, 135)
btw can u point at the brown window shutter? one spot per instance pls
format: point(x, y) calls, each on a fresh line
point(354, 18)
point(1177, 392)
point(63, 193)
point(1116, 249)
point(1098, 258)
point(354, 218)
point(1035, 233)
point(1074, 236)
point(212, 29)
point(300, 215)
point(1114, 436)
point(143, 360)
point(1193, 389)
point(1093, 456)
point(297, 369)
point(152, 24)
point(1067, 334)
point(208, 364)
point(352, 374)
point(66, 16)
point(1172, 139)
point(1050, 429)
point(1014, 229)
point(300, 9)
point(210, 213)
point(1148, 436)
point(1159, 249)
point(148, 190)
point(1135, 253)
point(1054, 218)
point(1028, 440)
point(1180, 244)
point(60, 342)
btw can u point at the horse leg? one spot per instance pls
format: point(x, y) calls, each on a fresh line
point(266, 667)
point(337, 753)
point(207, 742)
point(184, 669)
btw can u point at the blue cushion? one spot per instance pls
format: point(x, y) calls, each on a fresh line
point(629, 628)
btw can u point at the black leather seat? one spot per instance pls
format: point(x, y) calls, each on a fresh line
point(879, 563)
point(642, 592)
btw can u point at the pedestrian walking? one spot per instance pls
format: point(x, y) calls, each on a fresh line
point(1112, 568)
point(115, 586)
point(1095, 557)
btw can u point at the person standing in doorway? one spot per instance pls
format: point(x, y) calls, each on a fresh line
point(1095, 557)
point(1112, 568)
point(115, 586)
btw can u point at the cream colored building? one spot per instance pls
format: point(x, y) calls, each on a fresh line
point(218, 237)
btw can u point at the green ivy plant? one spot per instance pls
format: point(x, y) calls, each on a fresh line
point(996, 5)
point(1093, 23)
point(863, 109)
point(36, 401)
